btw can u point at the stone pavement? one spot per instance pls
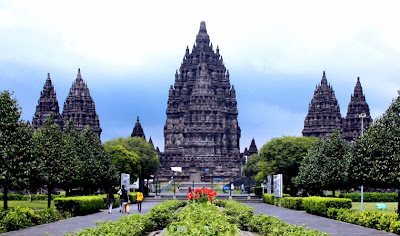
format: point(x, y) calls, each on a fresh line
point(326, 225)
point(70, 225)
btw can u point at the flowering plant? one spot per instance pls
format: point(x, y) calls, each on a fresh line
point(202, 195)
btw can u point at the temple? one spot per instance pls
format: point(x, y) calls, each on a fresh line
point(80, 107)
point(323, 112)
point(47, 105)
point(252, 149)
point(351, 127)
point(138, 130)
point(201, 131)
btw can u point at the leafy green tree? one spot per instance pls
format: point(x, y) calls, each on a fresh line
point(283, 156)
point(251, 167)
point(96, 170)
point(376, 155)
point(15, 144)
point(55, 164)
point(326, 165)
point(124, 161)
point(149, 161)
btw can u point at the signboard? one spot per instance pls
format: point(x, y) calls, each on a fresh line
point(206, 169)
point(269, 184)
point(125, 180)
point(176, 168)
point(278, 185)
point(217, 179)
point(135, 184)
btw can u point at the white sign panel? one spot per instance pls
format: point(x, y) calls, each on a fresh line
point(125, 180)
point(278, 185)
point(269, 184)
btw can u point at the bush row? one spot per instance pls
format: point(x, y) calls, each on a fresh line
point(238, 213)
point(319, 205)
point(80, 205)
point(371, 197)
point(202, 219)
point(136, 224)
point(294, 203)
point(388, 222)
point(20, 218)
point(21, 197)
point(271, 199)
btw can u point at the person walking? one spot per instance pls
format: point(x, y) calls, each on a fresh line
point(123, 199)
point(233, 188)
point(242, 191)
point(139, 200)
point(110, 200)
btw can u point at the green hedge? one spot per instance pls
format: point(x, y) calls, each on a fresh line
point(79, 205)
point(294, 203)
point(270, 199)
point(20, 218)
point(272, 226)
point(238, 213)
point(320, 205)
point(388, 222)
point(162, 214)
point(371, 197)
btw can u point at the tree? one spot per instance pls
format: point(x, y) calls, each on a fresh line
point(15, 144)
point(376, 155)
point(283, 156)
point(124, 161)
point(149, 161)
point(96, 169)
point(251, 167)
point(326, 165)
point(55, 163)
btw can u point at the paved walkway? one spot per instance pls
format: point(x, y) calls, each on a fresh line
point(78, 223)
point(326, 225)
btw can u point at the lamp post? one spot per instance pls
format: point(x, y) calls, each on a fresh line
point(175, 169)
point(362, 116)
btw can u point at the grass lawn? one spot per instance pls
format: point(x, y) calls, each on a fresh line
point(39, 204)
point(371, 206)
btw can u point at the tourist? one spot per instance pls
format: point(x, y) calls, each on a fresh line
point(189, 189)
point(242, 189)
point(139, 199)
point(233, 188)
point(123, 199)
point(110, 201)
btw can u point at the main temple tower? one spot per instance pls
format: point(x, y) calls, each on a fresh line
point(201, 132)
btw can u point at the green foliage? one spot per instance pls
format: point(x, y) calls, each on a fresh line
point(15, 145)
point(294, 203)
point(20, 218)
point(271, 199)
point(21, 197)
point(162, 214)
point(127, 225)
point(381, 221)
point(272, 226)
point(251, 167)
point(80, 205)
point(283, 156)
point(149, 161)
point(319, 205)
point(325, 166)
point(124, 161)
point(201, 219)
point(371, 197)
point(238, 213)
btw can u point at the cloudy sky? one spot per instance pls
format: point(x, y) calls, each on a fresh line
point(128, 52)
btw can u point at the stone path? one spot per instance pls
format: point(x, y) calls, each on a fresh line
point(77, 223)
point(329, 226)
point(326, 225)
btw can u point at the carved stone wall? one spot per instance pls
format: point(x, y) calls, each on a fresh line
point(201, 130)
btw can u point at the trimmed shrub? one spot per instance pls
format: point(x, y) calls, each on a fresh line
point(21, 197)
point(270, 199)
point(320, 205)
point(162, 214)
point(272, 226)
point(20, 218)
point(238, 213)
point(370, 197)
point(294, 203)
point(79, 205)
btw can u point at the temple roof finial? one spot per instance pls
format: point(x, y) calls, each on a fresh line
point(137, 119)
point(48, 76)
point(203, 27)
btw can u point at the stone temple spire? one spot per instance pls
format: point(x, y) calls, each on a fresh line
point(80, 107)
point(47, 105)
point(138, 130)
point(352, 123)
point(323, 112)
point(201, 131)
point(253, 148)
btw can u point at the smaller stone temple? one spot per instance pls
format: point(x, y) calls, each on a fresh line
point(47, 105)
point(80, 107)
point(351, 127)
point(323, 112)
point(138, 130)
point(252, 149)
